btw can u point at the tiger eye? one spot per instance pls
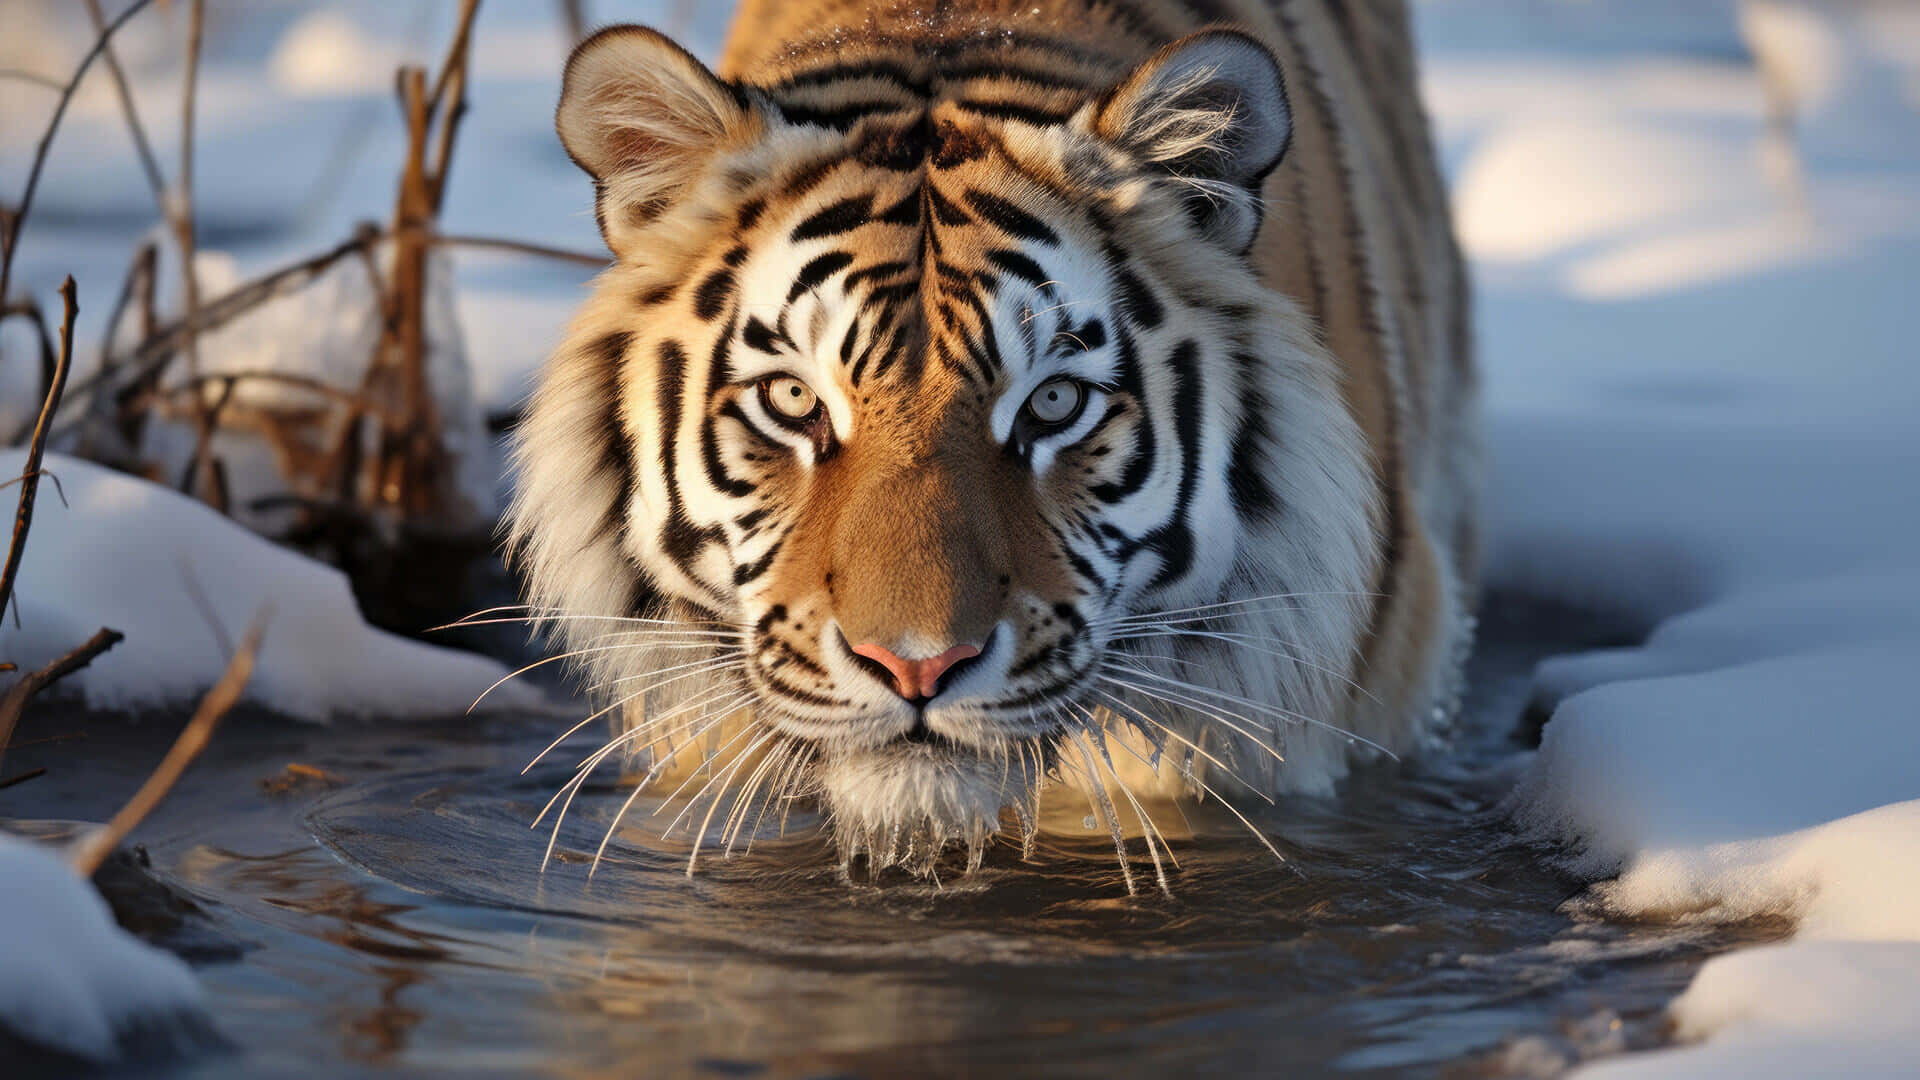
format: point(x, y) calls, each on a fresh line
point(791, 398)
point(1055, 401)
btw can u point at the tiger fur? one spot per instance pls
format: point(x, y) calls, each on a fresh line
point(1215, 228)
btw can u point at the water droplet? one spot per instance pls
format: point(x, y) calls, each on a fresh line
point(1088, 823)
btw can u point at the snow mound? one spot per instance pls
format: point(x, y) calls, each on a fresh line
point(72, 980)
point(1695, 231)
point(143, 559)
point(1629, 771)
point(1791, 1011)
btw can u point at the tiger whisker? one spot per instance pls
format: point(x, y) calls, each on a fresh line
point(1132, 714)
point(1245, 641)
point(614, 826)
point(1260, 706)
point(557, 614)
point(703, 666)
point(1104, 806)
point(1204, 708)
point(743, 805)
point(1244, 602)
point(713, 754)
point(778, 791)
point(700, 837)
point(711, 720)
point(593, 760)
point(598, 713)
point(569, 655)
point(1149, 829)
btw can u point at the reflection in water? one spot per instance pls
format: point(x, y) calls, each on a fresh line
point(1408, 931)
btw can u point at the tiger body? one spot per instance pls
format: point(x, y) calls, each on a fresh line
point(991, 394)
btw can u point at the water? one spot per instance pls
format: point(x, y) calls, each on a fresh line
point(392, 914)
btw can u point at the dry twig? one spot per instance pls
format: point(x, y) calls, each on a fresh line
point(29, 310)
point(92, 850)
point(30, 476)
point(200, 479)
point(134, 128)
point(14, 702)
point(11, 224)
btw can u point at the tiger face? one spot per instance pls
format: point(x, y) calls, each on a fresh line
point(906, 421)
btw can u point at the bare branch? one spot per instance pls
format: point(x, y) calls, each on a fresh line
point(29, 309)
point(134, 128)
point(30, 774)
point(151, 355)
point(497, 243)
point(14, 222)
point(30, 484)
point(14, 702)
point(199, 480)
point(91, 851)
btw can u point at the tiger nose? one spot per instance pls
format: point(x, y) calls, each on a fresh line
point(915, 680)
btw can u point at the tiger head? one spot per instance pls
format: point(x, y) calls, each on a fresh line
point(898, 427)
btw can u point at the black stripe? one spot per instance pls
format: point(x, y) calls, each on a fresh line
point(679, 538)
point(1019, 265)
point(843, 216)
point(609, 357)
point(904, 212)
point(882, 322)
point(841, 117)
point(876, 271)
point(711, 298)
point(760, 337)
point(1174, 540)
point(898, 74)
point(1137, 302)
point(1140, 464)
point(717, 475)
point(1038, 115)
point(1010, 218)
point(817, 271)
point(945, 211)
point(1247, 483)
point(747, 573)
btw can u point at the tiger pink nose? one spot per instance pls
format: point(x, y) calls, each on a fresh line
point(916, 679)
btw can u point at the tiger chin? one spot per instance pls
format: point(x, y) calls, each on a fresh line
point(1013, 401)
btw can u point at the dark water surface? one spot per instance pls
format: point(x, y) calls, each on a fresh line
point(392, 915)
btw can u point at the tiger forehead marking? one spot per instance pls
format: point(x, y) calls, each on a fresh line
point(1006, 397)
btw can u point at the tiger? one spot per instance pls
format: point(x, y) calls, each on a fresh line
point(989, 399)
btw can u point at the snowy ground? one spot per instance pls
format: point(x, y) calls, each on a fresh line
point(74, 981)
point(1705, 412)
point(1701, 386)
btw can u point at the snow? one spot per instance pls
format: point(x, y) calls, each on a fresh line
point(73, 981)
point(143, 559)
point(1792, 1011)
point(1698, 338)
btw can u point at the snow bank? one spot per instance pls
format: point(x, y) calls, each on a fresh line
point(1701, 388)
point(71, 979)
point(1792, 1011)
point(1632, 771)
point(132, 556)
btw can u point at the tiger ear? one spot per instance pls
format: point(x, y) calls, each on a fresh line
point(644, 118)
point(1211, 109)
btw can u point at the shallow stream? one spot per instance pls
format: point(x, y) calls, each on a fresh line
point(382, 906)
